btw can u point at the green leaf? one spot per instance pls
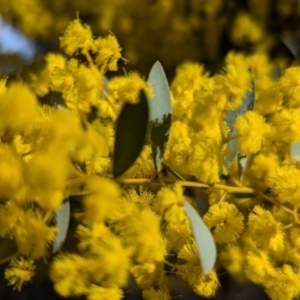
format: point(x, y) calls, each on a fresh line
point(62, 220)
point(130, 134)
point(248, 103)
point(160, 113)
point(205, 242)
point(292, 44)
point(242, 162)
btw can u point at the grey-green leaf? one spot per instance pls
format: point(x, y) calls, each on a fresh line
point(292, 44)
point(160, 112)
point(62, 220)
point(247, 104)
point(242, 162)
point(130, 134)
point(205, 242)
point(295, 152)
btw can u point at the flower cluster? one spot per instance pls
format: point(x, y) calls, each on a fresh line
point(137, 224)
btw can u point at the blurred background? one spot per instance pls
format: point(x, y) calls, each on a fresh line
point(171, 31)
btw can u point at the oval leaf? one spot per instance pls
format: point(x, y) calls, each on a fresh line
point(130, 134)
point(205, 242)
point(248, 103)
point(62, 219)
point(160, 112)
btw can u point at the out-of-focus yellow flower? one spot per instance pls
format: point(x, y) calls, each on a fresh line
point(232, 259)
point(169, 202)
point(70, 274)
point(144, 275)
point(258, 266)
point(77, 37)
point(246, 30)
point(156, 294)
point(18, 110)
point(104, 293)
point(12, 181)
point(284, 284)
point(108, 52)
point(19, 272)
point(103, 199)
point(36, 237)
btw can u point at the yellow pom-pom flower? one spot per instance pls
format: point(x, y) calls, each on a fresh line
point(251, 128)
point(265, 230)
point(77, 37)
point(225, 222)
point(19, 272)
point(285, 183)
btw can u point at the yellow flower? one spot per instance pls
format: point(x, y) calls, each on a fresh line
point(269, 100)
point(70, 274)
point(179, 146)
point(18, 110)
point(47, 176)
point(284, 284)
point(156, 294)
point(232, 259)
point(108, 52)
point(265, 230)
point(289, 84)
point(251, 128)
point(77, 37)
point(12, 219)
point(169, 202)
point(19, 272)
point(285, 183)
point(110, 255)
point(91, 234)
point(144, 274)
point(36, 236)
point(258, 266)
point(104, 293)
point(103, 199)
point(206, 285)
point(225, 222)
point(286, 125)
point(127, 88)
point(12, 181)
point(246, 30)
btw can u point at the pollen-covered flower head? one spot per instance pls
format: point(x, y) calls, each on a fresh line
point(252, 129)
point(267, 233)
point(289, 84)
point(258, 266)
point(108, 52)
point(285, 183)
point(169, 201)
point(19, 272)
point(77, 37)
point(286, 125)
point(225, 221)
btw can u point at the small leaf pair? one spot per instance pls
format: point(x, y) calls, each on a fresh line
point(132, 124)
